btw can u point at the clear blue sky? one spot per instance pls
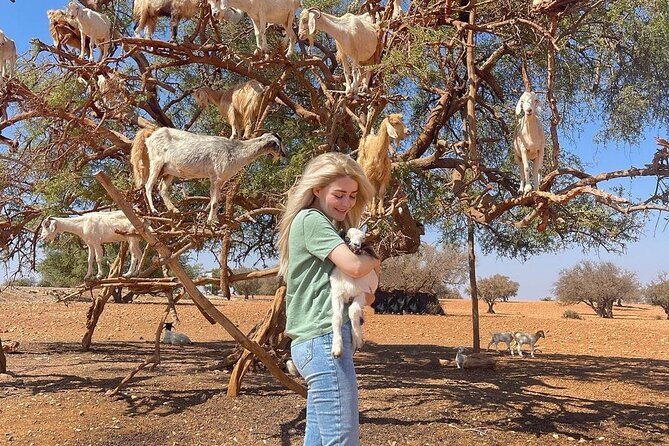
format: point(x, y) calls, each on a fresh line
point(27, 19)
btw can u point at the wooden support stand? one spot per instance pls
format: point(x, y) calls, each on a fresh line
point(146, 232)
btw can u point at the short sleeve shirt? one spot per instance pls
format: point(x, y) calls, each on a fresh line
point(311, 239)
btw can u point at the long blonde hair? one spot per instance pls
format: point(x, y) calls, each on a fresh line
point(319, 173)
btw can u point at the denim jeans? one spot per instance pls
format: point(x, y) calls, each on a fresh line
point(332, 391)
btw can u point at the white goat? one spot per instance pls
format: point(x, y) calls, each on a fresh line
point(146, 13)
point(166, 153)
point(262, 12)
point(529, 141)
point(520, 338)
point(7, 56)
point(172, 337)
point(460, 357)
point(397, 9)
point(505, 337)
point(65, 30)
point(373, 156)
point(96, 228)
point(93, 25)
point(346, 289)
point(240, 105)
point(356, 38)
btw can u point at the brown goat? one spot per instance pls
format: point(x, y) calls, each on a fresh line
point(64, 30)
point(239, 105)
point(374, 159)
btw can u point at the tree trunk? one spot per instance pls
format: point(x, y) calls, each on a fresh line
point(490, 310)
point(472, 286)
point(3, 360)
point(620, 303)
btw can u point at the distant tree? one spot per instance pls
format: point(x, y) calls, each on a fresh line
point(657, 292)
point(496, 288)
point(63, 265)
point(598, 285)
point(430, 270)
point(253, 287)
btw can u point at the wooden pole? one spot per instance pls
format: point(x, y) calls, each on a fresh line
point(3, 360)
point(146, 232)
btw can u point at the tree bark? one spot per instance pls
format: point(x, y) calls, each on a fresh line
point(490, 310)
point(472, 286)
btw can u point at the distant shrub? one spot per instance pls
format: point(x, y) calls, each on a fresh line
point(571, 314)
point(658, 317)
point(547, 299)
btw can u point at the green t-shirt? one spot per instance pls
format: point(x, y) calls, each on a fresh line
point(311, 239)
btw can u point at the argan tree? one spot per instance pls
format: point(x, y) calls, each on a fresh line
point(657, 292)
point(495, 289)
point(598, 285)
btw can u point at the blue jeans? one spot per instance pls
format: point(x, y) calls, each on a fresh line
point(332, 391)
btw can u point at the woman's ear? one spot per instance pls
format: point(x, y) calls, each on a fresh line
point(317, 191)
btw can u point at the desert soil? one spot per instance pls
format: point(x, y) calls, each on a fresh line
point(604, 382)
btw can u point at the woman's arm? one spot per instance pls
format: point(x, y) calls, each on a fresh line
point(351, 264)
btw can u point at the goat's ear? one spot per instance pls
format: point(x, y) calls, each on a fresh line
point(312, 22)
point(391, 130)
point(519, 105)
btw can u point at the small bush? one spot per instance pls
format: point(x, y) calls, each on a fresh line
point(547, 299)
point(658, 317)
point(571, 314)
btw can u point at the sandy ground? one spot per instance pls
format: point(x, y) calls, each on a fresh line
point(595, 381)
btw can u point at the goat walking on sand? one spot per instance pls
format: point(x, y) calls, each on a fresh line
point(240, 105)
point(356, 38)
point(166, 153)
point(96, 228)
point(346, 289)
point(93, 25)
point(374, 159)
point(262, 12)
point(520, 338)
point(529, 141)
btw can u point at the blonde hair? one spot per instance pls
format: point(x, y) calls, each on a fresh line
point(319, 173)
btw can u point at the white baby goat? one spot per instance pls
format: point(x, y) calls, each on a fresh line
point(520, 338)
point(94, 25)
point(460, 357)
point(167, 153)
point(505, 337)
point(346, 289)
point(96, 228)
point(529, 141)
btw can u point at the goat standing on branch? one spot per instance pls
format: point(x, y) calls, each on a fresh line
point(7, 57)
point(356, 39)
point(93, 25)
point(374, 159)
point(262, 12)
point(65, 30)
point(146, 13)
point(96, 228)
point(167, 153)
point(529, 141)
point(240, 105)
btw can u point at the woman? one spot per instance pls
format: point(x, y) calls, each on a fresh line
point(329, 197)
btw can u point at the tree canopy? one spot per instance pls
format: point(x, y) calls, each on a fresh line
point(454, 69)
point(496, 288)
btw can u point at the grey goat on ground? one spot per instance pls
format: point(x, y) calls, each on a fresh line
point(505, 337)
point(172, 337)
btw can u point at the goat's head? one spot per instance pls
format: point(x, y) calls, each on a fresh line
point(540, 334)
point(274, 146)
point(395, 127)
point(307, 26)
point(73, 9)
point(48, 233)
point(529, 103)
point(169, 326)
point(354, 239)
point(200, 96)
